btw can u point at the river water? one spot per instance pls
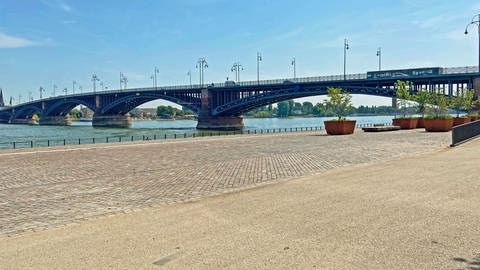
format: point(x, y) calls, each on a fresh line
point(25, 135)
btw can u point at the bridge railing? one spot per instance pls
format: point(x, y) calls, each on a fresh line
point(460, 70)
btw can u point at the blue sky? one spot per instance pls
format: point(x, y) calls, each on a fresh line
point(46, 42)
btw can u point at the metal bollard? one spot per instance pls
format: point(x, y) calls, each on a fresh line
point(31, 144)
point(93, 140)
point(175, 135)
point(48, 143)
point(165, 136)
point(79, 141)
point(184, 135)
point(14, 145)
point(64, 142)
point(106, 140)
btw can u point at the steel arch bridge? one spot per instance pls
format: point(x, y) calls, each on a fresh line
point(220, 105)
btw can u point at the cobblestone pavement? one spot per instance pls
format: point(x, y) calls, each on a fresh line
point(48, 188)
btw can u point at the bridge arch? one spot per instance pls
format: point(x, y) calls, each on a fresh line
point(27, 112)
point(242, 105)
point(63, 107)
point(127, 103)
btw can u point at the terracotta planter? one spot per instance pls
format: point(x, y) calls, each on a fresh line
point(407, 123)
point(340, 127)
point(438, 125)
point(420, 123)
point(395, 122)
point(457, 121)
point(474, 118)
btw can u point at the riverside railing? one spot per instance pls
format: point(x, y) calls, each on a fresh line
point(465, 132)
point(155, 137)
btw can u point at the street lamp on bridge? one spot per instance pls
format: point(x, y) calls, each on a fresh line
point(95, 79)
point(201, 65)
point(294, 64)
point(476, 21)
point(345, 48)
point(73, 89)
point(156, 71)
point(189, 74)
point(54, 88)
point(42, 90)
point(379, 54)
point(259, 59)
point(237, 67)
point(153, 80)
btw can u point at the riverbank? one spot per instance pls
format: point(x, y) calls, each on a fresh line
point(414, 210)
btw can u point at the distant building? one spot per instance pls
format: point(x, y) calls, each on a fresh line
point(86, 113)
point(144, 112)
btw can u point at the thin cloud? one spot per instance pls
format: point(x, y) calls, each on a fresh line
point(9, 42)
point(58, 4)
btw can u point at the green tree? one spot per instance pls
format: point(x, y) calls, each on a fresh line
point(422, 98)
point(403, 95)
point(339, 101)
point(307, 108)
point(283, 109)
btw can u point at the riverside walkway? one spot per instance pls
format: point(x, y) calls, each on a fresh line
point(47, 188)
point(399, 200)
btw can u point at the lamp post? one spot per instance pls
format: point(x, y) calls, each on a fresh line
point(153, 80)
point(379, 54)
point(156, 71)
point(30, 98)
point(95, 79)
point(259, 59)
point(294, 64)
point(237, 67)
point(54, 88)
point(42, 90)
point(201, 65)
point(65, 90)
point(345, 48)
point(189, 74)
point(476, 21)
point(73, 89)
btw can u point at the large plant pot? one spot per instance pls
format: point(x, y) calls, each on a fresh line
point(438, 125)
point(407, 123)
point(420, 123)
point(396, 122)
point(457, 121)
point(340, 127)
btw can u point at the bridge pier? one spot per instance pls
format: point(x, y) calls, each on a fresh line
point(55, 120)
point(111, 121)
point(220, 122)
point(207, 121)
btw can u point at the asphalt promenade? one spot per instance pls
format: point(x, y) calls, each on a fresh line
point(401, 200)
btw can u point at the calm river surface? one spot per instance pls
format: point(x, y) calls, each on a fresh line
point(24, 134)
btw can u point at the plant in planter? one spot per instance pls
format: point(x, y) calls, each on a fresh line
point(461, 102)
point(421, 98)
point(403, 98)
point(438, 120)
point(340, 103)
point(469, 103)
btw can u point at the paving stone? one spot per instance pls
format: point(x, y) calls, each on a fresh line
point(46, 189)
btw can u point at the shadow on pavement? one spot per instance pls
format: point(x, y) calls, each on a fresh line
point(469, 264)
